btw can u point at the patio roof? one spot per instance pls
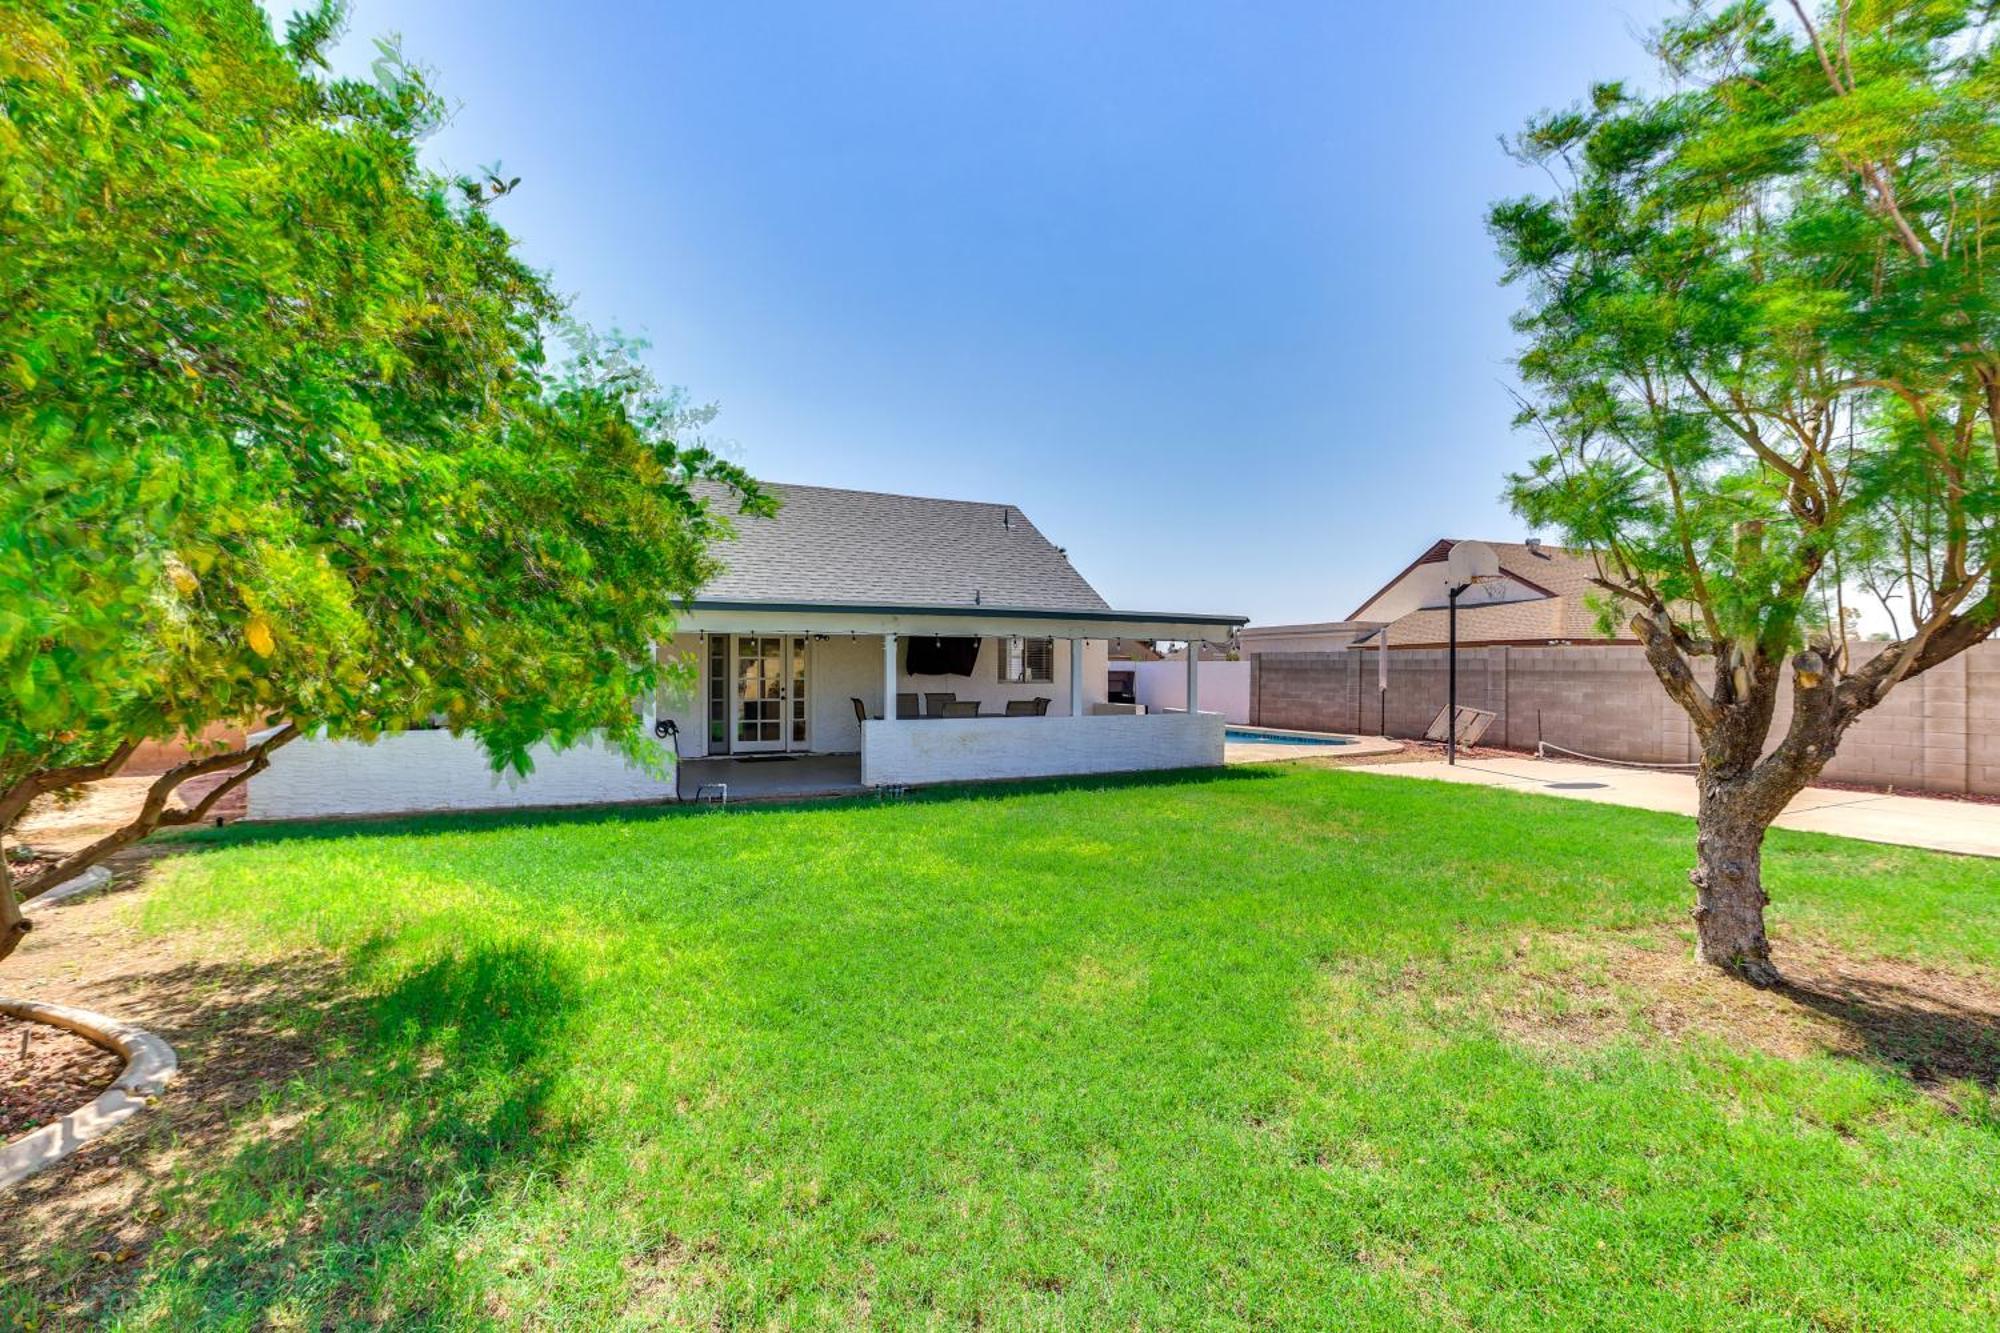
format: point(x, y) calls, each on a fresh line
point(728, 616)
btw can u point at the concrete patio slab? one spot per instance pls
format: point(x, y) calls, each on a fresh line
point(1967, 827)
point(775, 778)
point(1277, 752)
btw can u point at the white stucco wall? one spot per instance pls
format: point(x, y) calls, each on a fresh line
point(683, 701)
point(1224, 686)
point(434, 770)
point(844, 667)
point(979, 749)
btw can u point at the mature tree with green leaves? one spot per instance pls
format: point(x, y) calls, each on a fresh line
point(281, 442)
point(1763, 347)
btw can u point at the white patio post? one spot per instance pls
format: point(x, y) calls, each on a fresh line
point(888, 677)
point(1194, 675)
point(1076, 677)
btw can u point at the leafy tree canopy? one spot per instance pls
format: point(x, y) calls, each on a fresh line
point(1762, 336)
point(280, 436)
point(1762, 344)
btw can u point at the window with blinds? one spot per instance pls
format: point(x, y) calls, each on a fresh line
point(1027, 661)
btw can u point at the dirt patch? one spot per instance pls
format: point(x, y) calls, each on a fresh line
point(66, 822)
point(69, 1235)
point(1566, 992)
point(45, 1073)
point(1932, 1025)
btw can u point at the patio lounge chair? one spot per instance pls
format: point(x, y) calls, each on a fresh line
point(906, 706)
point(962, 708)
point(934, 704)
point(1022, 708)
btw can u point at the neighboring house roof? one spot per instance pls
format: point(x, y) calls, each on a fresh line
point(1325, 636)
point(1557, 601)
point(831, 547)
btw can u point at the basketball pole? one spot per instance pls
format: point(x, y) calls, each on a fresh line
point(1451, 702)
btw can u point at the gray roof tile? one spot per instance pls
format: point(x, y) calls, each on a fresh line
point(829, 546)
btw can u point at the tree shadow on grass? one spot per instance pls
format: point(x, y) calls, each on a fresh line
point(1930, 1027)
point(319, 1151)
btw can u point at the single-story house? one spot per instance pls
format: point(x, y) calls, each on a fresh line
point(1543, 596)
point(854, 640)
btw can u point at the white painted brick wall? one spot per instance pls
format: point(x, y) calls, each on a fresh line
point(434, 770)
point(979, 749)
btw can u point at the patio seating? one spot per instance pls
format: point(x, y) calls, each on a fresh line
point(934, 704)
point(906, 706)
point(1022, 708)
point(962, 708)
point(861, 710)
point(1042, 705)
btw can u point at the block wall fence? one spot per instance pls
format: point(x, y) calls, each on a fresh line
point(1938, 732)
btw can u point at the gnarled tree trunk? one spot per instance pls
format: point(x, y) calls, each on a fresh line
point(1741, 789)
point(1728, 877)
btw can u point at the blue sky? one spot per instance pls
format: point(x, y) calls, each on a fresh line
point(1204, 289)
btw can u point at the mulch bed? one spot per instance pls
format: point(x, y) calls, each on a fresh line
point(59, 1072)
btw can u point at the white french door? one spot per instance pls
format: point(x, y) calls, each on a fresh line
point(768, 706)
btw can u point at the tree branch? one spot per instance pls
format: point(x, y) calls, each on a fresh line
point(18, 797)
point(1940, 638)
point(154, 814)
point(1671, 667)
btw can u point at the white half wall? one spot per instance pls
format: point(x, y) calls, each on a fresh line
point(1224, 686)
point(982, 749)
point(434, 770)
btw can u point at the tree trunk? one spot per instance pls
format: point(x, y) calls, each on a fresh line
point(14, 927)
point(1729, 881)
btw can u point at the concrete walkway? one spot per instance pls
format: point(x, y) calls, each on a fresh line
point(1906, 821)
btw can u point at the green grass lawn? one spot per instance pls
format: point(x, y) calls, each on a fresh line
point(1188, 1053)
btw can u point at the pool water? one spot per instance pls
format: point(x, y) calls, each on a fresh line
point(1241, 737)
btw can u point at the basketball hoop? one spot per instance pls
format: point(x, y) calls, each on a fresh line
point(1468, 563)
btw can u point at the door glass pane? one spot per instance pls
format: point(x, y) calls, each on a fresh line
point(798, 691)
point(718, 689)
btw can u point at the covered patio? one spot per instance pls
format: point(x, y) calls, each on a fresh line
point(854, 640)
point(923, 694)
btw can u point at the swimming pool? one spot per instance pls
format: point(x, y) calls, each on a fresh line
point(1244, 736)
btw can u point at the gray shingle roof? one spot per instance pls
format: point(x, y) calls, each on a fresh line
point(863, 548)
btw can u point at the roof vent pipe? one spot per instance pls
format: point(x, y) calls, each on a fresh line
point(1534, 546)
